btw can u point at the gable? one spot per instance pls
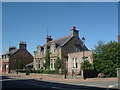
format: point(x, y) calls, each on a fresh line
point(75, 42)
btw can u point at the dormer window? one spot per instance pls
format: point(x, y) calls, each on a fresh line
point(52, 47)
point(39, 48)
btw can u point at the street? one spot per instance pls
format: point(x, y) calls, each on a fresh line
point(14, 82)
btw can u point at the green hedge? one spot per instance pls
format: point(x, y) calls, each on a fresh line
point(41, 71)
point(47, 71)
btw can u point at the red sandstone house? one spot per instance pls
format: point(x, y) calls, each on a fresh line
point(14, 55)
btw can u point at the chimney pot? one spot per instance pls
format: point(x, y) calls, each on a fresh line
point(74, 28)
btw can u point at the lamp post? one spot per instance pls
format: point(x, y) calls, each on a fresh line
point(83, 40)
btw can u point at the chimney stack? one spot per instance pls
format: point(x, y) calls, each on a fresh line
point(12, 48)
point(74, 32)
point(48, 39)
point(22, 45)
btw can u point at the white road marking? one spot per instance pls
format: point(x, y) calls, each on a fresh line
point(113, 85)
point(5, 79)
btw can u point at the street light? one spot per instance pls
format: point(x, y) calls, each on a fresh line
point(83, 40)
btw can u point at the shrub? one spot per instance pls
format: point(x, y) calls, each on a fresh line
point(27, 72)
point(47, 71)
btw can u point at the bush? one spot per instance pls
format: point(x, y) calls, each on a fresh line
point(22, 70)
point(47, 71)
point(27, 72)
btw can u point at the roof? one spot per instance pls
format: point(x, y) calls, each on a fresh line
point(30, 64)
point(60, 41)
point(11, 52)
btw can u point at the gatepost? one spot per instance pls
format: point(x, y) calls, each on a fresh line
point(118, 76)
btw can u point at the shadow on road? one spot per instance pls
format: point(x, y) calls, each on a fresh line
point(4, 77)
point(33, 84)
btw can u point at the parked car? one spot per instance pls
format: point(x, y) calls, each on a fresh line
point(100, 75)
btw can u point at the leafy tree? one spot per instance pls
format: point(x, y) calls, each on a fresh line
point(20, 64)
point(58, 63)
point(109, 59)
point(86, 65)
point(47, 59)
point(98, 47)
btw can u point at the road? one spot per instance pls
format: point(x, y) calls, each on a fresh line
point(14, 82)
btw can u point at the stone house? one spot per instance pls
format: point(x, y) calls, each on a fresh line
point(75, 60)
point(59, 47)
point(12, 58)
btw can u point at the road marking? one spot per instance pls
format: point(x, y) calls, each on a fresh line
point(113, 85)
point(5, 79)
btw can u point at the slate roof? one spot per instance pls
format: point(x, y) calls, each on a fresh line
point(30, 64)
point(60, 41)
point(11, 52)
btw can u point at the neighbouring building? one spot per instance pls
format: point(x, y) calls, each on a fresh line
point(60, 47)
point(12, 58)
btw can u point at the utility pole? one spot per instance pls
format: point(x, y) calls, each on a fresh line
point(83, 39)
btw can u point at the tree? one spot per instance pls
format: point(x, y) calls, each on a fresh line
point(20, 64)
point(47, 59)
point(58, 63)
point(98, 47)
point(108, 60)
point(86, 65)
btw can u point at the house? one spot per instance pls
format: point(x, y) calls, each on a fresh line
point(14, 56)
point(59, 48)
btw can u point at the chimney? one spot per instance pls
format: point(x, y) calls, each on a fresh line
point(22, 45)
point(74, 32)
point(12, 48)
point(48, 39)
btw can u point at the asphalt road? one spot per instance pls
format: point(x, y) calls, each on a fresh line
point(26, 83)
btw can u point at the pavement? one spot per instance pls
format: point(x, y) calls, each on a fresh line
point(75, 80)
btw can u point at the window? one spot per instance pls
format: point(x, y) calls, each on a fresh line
point(39, 64)
point(51, 65)
point(74, 63)
point(52, 48)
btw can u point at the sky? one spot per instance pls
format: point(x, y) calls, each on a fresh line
point(32, 21)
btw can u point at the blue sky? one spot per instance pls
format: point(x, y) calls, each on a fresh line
point(30, 22)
